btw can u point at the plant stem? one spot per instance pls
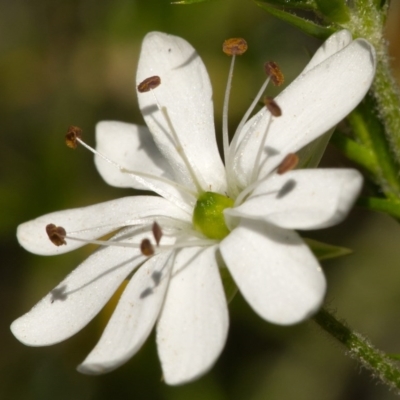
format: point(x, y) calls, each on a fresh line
point(359, 348)
point(367, 21)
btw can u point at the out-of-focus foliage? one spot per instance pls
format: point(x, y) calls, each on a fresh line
point(65, 62)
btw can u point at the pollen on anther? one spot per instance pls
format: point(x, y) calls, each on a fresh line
point(146, 247)
point(157, 232)
point(272, 69)
point(289, 162)
point(149, 83)
point(234, 46)
point(73, 133)
point(272, 106)
point(56, 234)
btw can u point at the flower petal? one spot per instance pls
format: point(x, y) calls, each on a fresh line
point(192, 329)
point(275, 271)
point(303, 199)
point(78, 298)
point(134, 317)
point(311, 105)
point(185, 94)
point(132, 148)
point(336, 42)
point(95, 221)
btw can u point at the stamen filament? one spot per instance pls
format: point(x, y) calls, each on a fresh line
point(177, 245)
point(179, 148)
point(225, 133)
point(244, 193)
point(142, 178)
point(256, 170)
point(236, 136)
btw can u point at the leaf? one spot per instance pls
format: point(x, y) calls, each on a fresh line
point(307, 26)
point(325, 251)
point(334, 10)
point(299, 4)
point(390, 207)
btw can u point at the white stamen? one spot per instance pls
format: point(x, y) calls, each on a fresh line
point(200, 186)
point(236, 136)
point(178, 245)
point(144, 179)
point(225, 133)
point(256, 170)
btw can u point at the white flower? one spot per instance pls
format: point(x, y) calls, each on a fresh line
point(256, 211)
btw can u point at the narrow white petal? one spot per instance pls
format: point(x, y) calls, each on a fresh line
point(192, 329)
point(311, 105)
point(132, 147)
point(275, 271)
point(78, 298)
point(133, 318)
point(95, 221)
point(185, 93)
point(303, 199)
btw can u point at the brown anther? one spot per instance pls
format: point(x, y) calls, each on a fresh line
point(272, 106)
point(146, 247)
point(74, 133)
point(234, 46)
point(289, 162)
point(272, 69)
point(149, 84)
point(157, 232)
point(56, 234)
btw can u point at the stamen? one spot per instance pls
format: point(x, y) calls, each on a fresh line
point(275, 74)
point(289, 162)
point(236, 136)
point(56, 234)
point(157, 232)
point(234, 46)
point(179, 148)
point(231, 47)
point(149, 83)
point(272, 69)
point(73, 134)
point(146, 247)
point(272, 106)
point(145, 179)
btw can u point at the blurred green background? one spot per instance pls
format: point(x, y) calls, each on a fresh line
point(66, 62)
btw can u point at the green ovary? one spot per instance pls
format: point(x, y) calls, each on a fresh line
point(208, 217)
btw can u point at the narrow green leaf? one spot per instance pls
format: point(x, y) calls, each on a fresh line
point(325, 251)
point(334, 10)
point(298, 4)
point(307, 26)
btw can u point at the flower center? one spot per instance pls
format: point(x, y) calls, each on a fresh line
point(208, 217)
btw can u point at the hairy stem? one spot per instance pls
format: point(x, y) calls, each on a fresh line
point(360, 349)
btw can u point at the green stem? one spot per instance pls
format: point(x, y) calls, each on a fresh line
point(367, 21)
point(381, 366)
